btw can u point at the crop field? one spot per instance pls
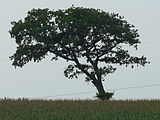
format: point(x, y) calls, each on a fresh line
point(79, 110)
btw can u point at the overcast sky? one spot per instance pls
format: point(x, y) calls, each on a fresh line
point(46, 78)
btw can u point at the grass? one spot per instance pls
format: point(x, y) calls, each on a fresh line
point(79, 110)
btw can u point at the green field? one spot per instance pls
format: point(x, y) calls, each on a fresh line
point(79, 110)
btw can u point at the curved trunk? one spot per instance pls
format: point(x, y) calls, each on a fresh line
point(101, 92)
point(99, 86)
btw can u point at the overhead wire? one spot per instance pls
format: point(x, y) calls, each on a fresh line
point(62, 95)
point(89, 92)
point(135, 87)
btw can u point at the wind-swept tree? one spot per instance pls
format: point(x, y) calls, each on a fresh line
point(90, 40)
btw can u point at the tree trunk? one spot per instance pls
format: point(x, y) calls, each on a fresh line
point(101, 92)
point(99, 86)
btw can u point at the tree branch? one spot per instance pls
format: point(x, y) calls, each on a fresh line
point(80, 66)
point(94, 64)
point(61, 55)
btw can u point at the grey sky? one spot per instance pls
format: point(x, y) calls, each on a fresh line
point(46, 78)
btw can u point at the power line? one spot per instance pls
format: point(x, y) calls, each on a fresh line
point(135, 87)
point(61, 95)
point(117, 89)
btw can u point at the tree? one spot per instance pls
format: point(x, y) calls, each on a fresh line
point(90, 40)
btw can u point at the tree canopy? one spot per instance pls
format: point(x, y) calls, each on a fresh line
point(91, 40)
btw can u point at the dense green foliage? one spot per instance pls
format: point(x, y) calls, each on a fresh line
point(79, 110)
point(92, 40)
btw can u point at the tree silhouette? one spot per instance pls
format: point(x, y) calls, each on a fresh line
point(90, 40)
